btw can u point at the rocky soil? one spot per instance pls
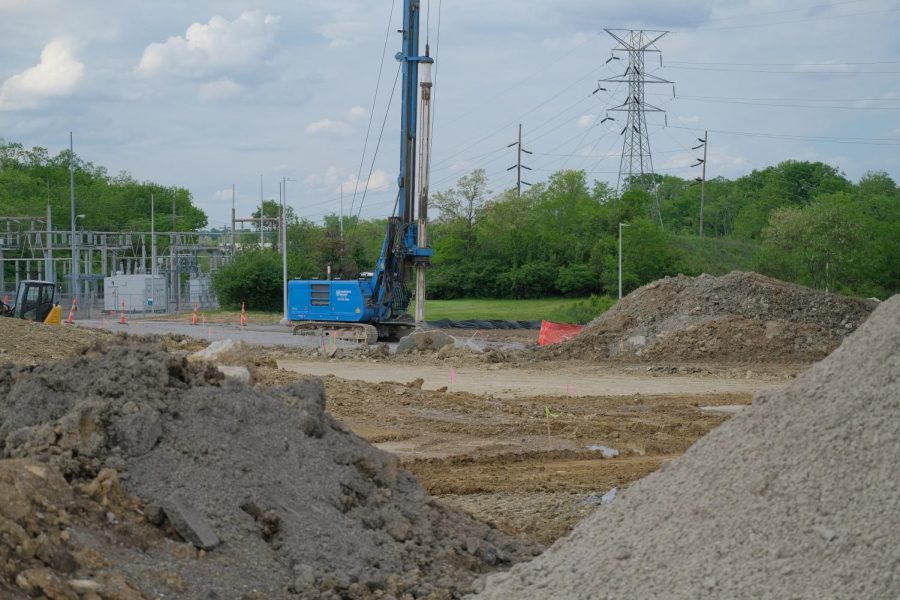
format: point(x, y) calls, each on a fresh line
point(282, 498)
point(739, 317)
point(796, 497)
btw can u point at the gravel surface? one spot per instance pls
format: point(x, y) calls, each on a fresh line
point(797, 496)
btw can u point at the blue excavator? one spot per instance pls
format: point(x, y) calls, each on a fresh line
point(375, 306)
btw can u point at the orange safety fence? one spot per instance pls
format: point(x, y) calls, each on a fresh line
point(554, 333)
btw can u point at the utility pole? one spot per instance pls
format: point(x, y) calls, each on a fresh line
point(621, 225)
point(74, 272)
point(702, 178)
point(519, 166)
point(261, 239)
point(49, 270)
point(637, 161)
point(176, 279)
point(283, 243)
point(233, 216)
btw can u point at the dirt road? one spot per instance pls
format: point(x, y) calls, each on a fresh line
point(561, 379)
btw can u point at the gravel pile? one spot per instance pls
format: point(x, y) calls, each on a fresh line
point(742, 317)
point(796, 497)
point(283, 498)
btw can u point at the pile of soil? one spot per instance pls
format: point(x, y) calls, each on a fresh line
point(743, 317)
point(26, 342)
point(300, 504)
point(795, 497)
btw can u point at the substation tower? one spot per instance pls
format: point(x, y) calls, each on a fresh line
point(636, 164)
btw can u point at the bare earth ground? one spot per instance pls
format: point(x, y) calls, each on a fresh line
point(490, 453)
point(483, 445)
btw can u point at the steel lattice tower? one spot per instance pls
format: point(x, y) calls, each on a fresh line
point(636, 165)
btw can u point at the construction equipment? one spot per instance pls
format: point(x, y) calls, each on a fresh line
point(375, 305)
point(34, 301)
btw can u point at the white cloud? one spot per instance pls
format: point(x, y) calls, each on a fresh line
point(219, 46)
point(331, 177)
point(378, 182)
point(57, 75)
point(223, 195)
point(337, 127)
point(357, 113)
point(567, 42)
point(688, 119)
point(220, 89)
point(586, 121)
point(344, 33)
point(327, 126)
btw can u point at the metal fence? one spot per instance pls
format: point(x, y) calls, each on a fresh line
point(96, 306)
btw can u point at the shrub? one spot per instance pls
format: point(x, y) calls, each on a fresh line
point(577, 279)
point(585, 311)
point(253, 277)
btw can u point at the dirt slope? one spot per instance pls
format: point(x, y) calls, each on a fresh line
point(796, 497)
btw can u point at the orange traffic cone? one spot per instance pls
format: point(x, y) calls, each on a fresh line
point(243, 316)
point(122, 318)
point(71, 318)
point(194, 319)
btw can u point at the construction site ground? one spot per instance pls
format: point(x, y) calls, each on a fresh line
point(519, 446)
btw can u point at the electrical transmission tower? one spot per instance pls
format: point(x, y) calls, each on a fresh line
point(519, 166)
point(636, 165)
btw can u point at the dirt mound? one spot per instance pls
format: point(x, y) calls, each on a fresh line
point(742, 317)
point(300, 504)
point(796, 497)
point(26, 342)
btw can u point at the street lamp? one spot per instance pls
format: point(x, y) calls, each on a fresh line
point(621, 225)
point(283, 222)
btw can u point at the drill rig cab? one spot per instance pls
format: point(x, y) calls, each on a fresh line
point(34, 301)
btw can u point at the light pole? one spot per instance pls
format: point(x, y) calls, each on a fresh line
point(74, 272)
point(283, 242)
point(76, 263)
point(621, 225)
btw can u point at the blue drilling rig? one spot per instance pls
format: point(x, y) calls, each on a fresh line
point(375, 306)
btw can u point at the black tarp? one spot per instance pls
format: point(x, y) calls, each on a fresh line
point(483, 324)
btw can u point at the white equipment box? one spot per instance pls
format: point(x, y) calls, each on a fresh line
point(140, 293)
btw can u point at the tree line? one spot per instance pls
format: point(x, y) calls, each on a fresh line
point(30, 179)
point(800, 221)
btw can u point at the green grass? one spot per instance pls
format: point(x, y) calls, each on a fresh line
point(559, 310)
point(562, 310)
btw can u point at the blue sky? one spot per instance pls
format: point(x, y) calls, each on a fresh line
point(207, 94)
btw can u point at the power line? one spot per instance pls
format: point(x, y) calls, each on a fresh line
point(791, 22)
point(783, 64)
point(782, 105)
point(803, 138)
point(787, 72)
point(362, 157)
point(782, 99)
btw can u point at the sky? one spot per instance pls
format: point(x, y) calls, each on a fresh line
point(211, 94)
